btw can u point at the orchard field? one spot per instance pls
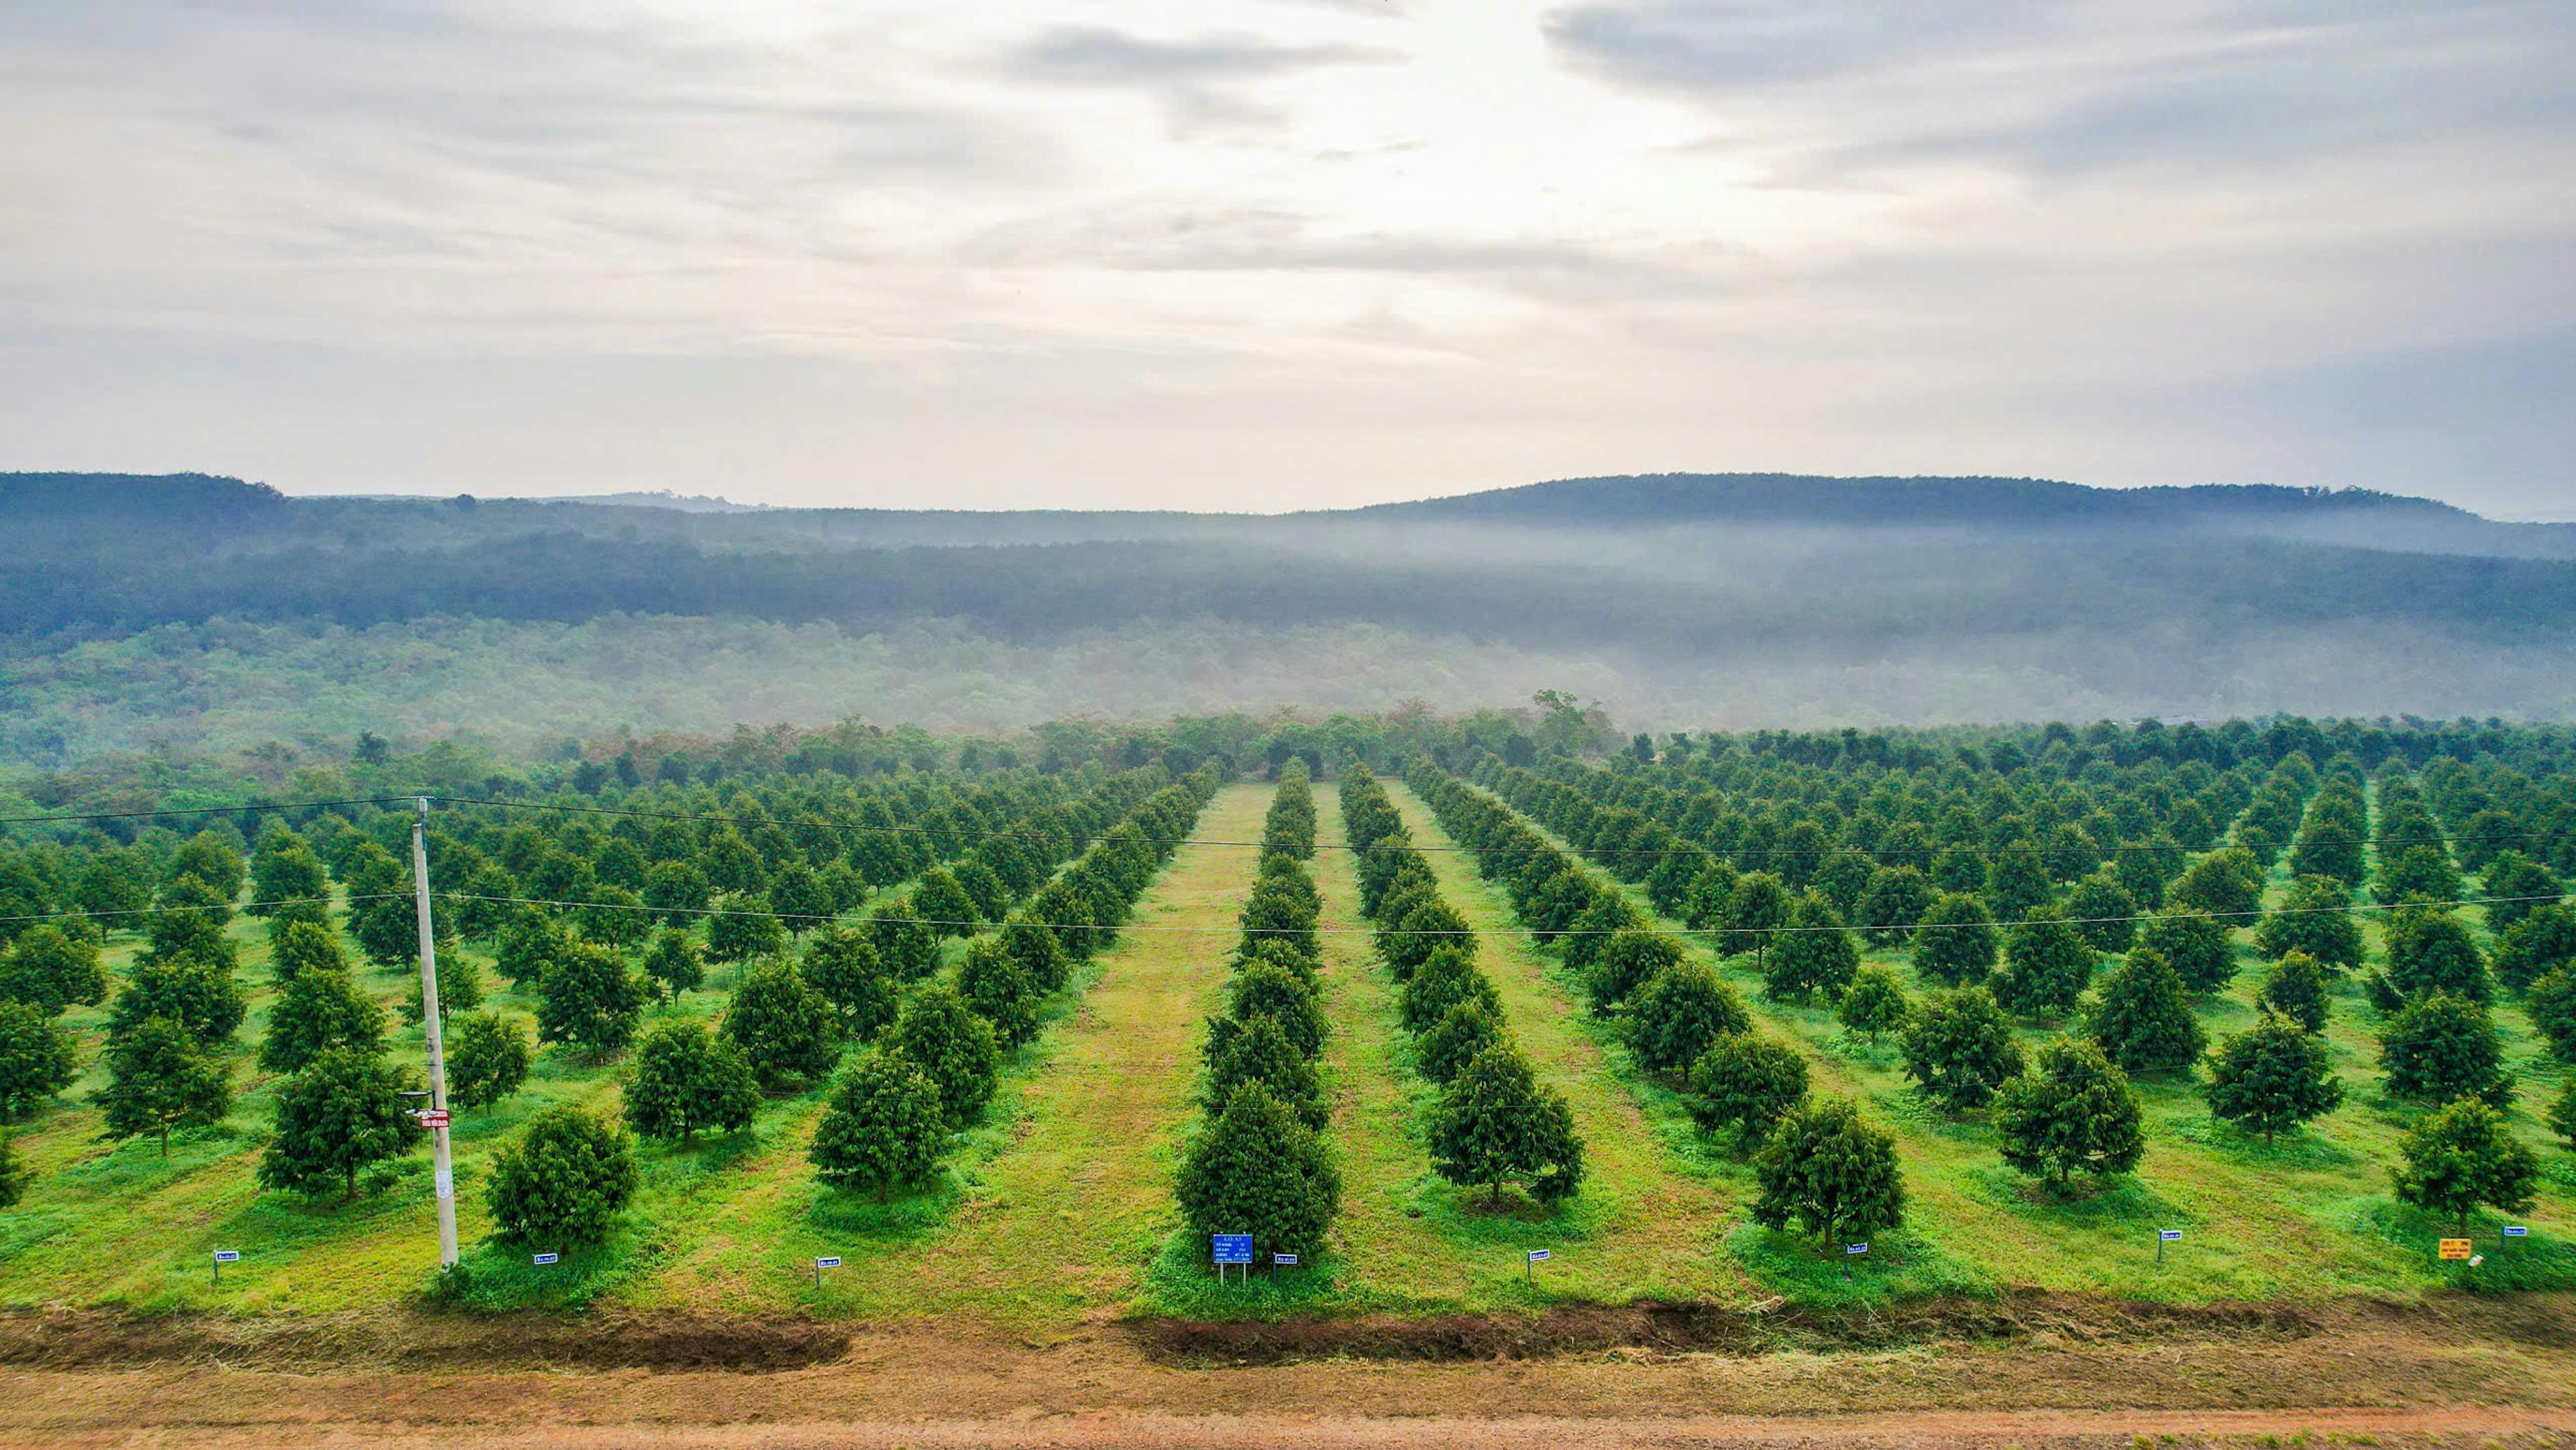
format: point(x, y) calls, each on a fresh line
point(1404, 998)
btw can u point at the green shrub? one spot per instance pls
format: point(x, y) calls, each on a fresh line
point(2074, 1112)
point(885, 1129)
point(1828, 1173)
point(563, 1181)
point(1255, 1169)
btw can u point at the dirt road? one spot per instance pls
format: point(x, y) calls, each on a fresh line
point(2495, 1372)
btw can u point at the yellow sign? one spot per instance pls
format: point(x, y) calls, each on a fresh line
point(2455, 1248)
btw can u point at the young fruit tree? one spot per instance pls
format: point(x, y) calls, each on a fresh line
point(488, 1057)
point(1255, 1169)
point(2272, 1076)
point(686, 1078)
point(1828, 1173)
point(564, 1181)
point(590, 1001)
point(160, 1076)
point(1494, 1124)
point(2073, 1112)
point(2142, 1021)
point(37, 1059)
point(784, 1028)
point(885, 1128)
point(338, 1113)
point(1674, 1018)
point(953, 1046)
point(1956, 942)
point(2296, 989)
point(2462, 1156)
point(2442, 1047)
point(1745, 1081)
point(1873, 1005)
point(1960, 1048)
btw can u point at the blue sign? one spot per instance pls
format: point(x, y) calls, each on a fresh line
point(542, 1260)
point(1538, 1256)
point(1285, 1261)
point(227, 1256)
point(1233, 1248)
point(2169, 1235)
point(1851, 1249)
point(2516, 1231)
point(831, 1261)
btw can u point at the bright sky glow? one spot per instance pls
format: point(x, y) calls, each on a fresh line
point(1288, 253)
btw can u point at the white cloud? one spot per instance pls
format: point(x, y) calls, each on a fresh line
point(1270, 254)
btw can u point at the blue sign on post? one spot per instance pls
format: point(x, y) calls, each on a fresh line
point(1232, 1249)
point(1851, 1249)
point(541, 1260)
point(223, 1257)
point(2517, 1231)
point(2170, 1235)
point(1283, 1261)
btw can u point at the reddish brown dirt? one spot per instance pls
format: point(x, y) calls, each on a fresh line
point(2051, 1372)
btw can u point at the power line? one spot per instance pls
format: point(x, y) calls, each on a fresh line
point(251, 906)
point(980, 924)
point(373, 800)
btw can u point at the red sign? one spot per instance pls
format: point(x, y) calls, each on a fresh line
point(433, 1117)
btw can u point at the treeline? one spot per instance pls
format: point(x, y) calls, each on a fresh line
point(1868, 593)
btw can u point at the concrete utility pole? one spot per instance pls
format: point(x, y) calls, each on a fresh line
point(446, 1177)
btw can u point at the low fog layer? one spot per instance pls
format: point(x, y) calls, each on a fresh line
point(204, 613)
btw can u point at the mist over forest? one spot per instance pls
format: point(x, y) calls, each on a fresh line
point(192, 613)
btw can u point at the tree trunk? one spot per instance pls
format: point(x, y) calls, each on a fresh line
point(165, 1139)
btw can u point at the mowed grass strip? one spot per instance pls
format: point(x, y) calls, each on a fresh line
point(2309, 1217)
point(1391, 1246)
point(1066, 1214)
point(1652, 1216)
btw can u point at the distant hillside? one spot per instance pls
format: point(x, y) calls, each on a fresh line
point(1789, 498)
point(139, 611)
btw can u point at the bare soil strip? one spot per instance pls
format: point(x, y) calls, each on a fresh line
point(2065, 1373)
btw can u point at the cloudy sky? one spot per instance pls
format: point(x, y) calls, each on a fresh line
point(1288, 253)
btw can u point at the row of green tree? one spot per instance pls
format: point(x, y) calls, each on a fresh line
point(1493, 1123)
point(1260, 1162)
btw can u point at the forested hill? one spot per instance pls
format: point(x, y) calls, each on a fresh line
point(142, 610)
point(2009, 503)
point(67, 508)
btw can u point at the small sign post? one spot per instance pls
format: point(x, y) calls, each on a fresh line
point(2455, 1248)
point(1529, 1269)
point(542, 1260)
point(2517, 1231)
point(2166, 1236)
point(826, 1261)
point(1231, 1249)
point(1283, 1261)
point(223, 1257)
point(1851, 1252)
